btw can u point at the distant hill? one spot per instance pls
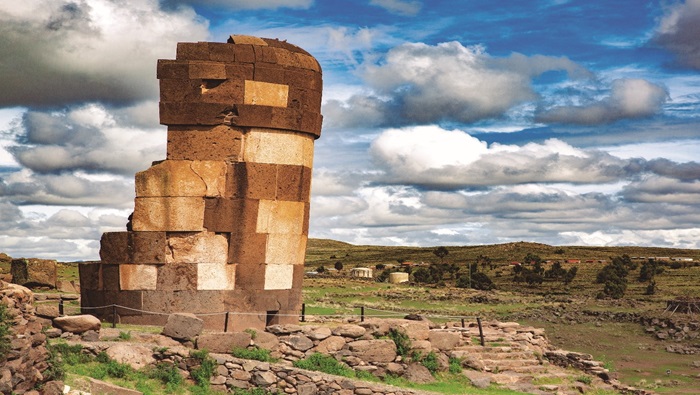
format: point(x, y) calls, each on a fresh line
point(325, 252)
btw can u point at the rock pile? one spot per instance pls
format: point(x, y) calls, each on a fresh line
point(22, 371)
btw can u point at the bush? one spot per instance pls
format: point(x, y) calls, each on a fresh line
point(455, 365)
point(117, 370)
point(168, 374)
point(5, 325)
point(256, 353)
point(326, 364)
point(401, 340)
point(202, 373)
point(430, 362)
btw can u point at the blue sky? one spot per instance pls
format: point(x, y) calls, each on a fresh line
point(445, 122)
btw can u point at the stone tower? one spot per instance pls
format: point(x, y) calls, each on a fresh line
point(221, 224)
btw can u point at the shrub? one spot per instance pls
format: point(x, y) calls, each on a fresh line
point(584, 379)
point(202, 373)
point(401, 340)
point(326, 364)
point(256, 353)
point(430, 362)
point(168, 374)
point(252, 332)
point(117, 370)
point(56, 370)
point(455, 365)
point(5, 325)
point(125, 335)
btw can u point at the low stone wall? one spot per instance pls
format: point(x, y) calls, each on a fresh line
point(22, 371)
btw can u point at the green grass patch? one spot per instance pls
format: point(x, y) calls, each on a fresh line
point(256, 353)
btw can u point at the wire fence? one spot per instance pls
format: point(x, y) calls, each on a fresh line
point(363, 312)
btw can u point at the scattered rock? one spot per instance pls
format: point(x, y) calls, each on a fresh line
point(77, 323)
point(417, 373)
point(223, 342)
point(349, 330)
point(134, 355)
point(283, 329)
point(90, 336)
point(183, 326)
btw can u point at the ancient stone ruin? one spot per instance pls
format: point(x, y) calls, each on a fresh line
point(221, 224)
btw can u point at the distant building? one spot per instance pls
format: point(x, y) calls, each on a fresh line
point(573, 261)
point(363, 272)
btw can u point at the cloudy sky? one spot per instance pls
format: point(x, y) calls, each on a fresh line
point(446, 122)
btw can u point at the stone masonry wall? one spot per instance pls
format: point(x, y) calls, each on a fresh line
point(22, 370)
point(221, 224)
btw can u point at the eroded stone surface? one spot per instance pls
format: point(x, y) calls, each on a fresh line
point(221, 224)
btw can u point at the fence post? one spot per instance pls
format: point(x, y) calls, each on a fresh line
point(463, 323)
point(114, 316)
point(362, 313)
point(481, 331)
point(60, 306)
point(226, 322)
point(303, 312)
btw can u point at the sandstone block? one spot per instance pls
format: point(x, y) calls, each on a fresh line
point(192, 51)
point(298, 342)
point(239, 72)
point(222, 91)
point(196, 113)
point(317, 332)
point(183, 326)
point(77, 323)
point(417, 373)
point(180, 89)
point(172, 69)
point(247, 249)
point(268, 73)
point(265, 93)
point(264, 340)
point(147, 247)
point(216, 276)
point(110, 277)
point(380, 350)
point(196, 247)
point(34, 272)
point(89, 274)
point(231, 215)
point(243, 39)
point(114, 247)
point(207, 70)
point(278, 276)
point(283, 148)
point(250, 276)
point(220, 143)
point(285, 249)
point(138, 277)
point(253, 181)
point(244, 53)
point(223, 342)
point(177, 214)
point(264, 54)
point(182, 178)
point(133, 355)
point(177, 277)
point(221, 52)
point(444, 340)
point(281, 217)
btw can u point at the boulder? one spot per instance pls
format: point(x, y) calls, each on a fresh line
point(102, 387)
point(443, 340)
point(265, 340)
point(298, 342)
point(183, 326)
point(223, 342)
point(34, 272)
point(317, 332)
point(417, 373)
point(69, 287)
point(48, 310)
point(380, 350)
point(331, 345)
point(133, 355)
point(283, 329)
point(77, 323)
point(349, 330)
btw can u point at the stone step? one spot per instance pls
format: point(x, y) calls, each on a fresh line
point(507, 364)
point(501, 355)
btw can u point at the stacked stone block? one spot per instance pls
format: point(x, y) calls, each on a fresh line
point(221, 224)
